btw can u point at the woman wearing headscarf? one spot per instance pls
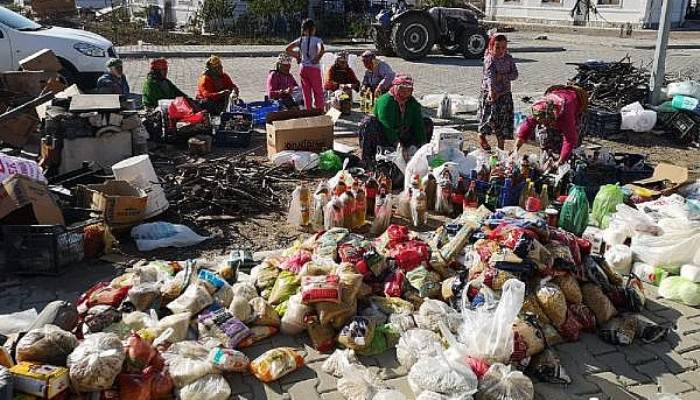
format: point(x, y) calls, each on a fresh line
point(555, 119)
point(281, 84)
point(215, 86)
point(378, 74)
point(398, 119)
point(157, 85)
point(114, 81)
point(340, 74)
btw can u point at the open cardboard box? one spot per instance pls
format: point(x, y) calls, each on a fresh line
point(666, 179)
point(121, 203)
point(303, 130)
point(24, 201)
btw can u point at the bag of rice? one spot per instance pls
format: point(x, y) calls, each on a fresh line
point(96, 362)
point(210, 387)
point(228, 360)
point(325, 288)
point(47, 345)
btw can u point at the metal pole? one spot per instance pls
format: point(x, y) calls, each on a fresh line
point(658, 71)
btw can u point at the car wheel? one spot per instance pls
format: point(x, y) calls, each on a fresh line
point(413, 36)
point(474, 44)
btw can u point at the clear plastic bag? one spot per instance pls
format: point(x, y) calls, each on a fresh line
point(619, 257)
point(96, 362)
point(502, 383)
point(336, 362)
point(241, 309)
point(382, 215)
point(553, 303)
point(637, 221)
point(263, 313)
point(48, 345)
point(598, 302)
point(292, 322)
point(163, 234)
point(488, 333)
point(229, 360)
point(416, 344)
point(179, 323)
point(436, 374)
point(245, 290)
point(193, 300)
point(187, 362)
point(431, 312)
point(389, 394)
point(210, 387)
point(670, 249)
point(358, 383)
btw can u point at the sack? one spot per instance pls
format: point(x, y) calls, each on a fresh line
point(605, 203)
point(532, 306)
point(619, 258)
point(619, 331)
point(210, 387)
point(276, 363)
point(228, 360)
point(393, 305)
point(570, 330)
point(242, 309)
point(598, 302)
point(570, 287)
point(292, 322)
point(680, 289)
point(401, 322)
point(357, 334)
point(322, 336)
point(316, 289)
point(415, 345)
point(263, 313)
point(427, 283)
point(553, 303)
point(246, 290)
point(432, 312)
point(139, 354)
point(62, 314)
point(96, 362)
point(285, 286)
point(179, 323)
point(188, 362)
point(135, 386)
point(530, 336)
point(574, 212)
point(336, 362)
point(145, 296)
point(48, 345)
point(501, 383)
point(193, 300)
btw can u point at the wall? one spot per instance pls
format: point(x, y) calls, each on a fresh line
point(639, 13)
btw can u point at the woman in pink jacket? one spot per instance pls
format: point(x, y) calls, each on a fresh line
point(281, 84)
point(555, 118)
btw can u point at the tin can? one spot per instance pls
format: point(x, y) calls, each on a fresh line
point(552, 217)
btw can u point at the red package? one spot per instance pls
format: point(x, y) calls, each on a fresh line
point(397, 234)
point(393, 287)
point(362, 268)
point(139, 353)
point(180, 109)
point(108, 296)
point(296, 261)
point(509, 235)
point(584, 316)
point(135, 386)
point(490, 275)
point(478, 366)
point(351, 254)
point(570, 330)
point(409, 255)
point(320, 288)
point(568, 239)
point(519, 348)
point(585, 246)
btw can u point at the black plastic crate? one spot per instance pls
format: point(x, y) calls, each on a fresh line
point(686, 126)
point(234, 129)
point(42, 249)
point(602, 123)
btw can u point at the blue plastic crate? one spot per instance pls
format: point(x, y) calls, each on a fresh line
point(237, 137)
point(259, 110)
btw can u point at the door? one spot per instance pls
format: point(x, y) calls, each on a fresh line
point(580, 12)
point(6, 56)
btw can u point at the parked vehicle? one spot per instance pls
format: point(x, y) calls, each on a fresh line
point(412, 33)
point(82, 54)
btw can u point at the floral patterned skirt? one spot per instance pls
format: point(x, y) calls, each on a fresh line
point(496, 118)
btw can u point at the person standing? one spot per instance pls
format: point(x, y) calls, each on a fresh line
point(215, 86)
point(308, 50)
point(496, 105)
point(114, 81)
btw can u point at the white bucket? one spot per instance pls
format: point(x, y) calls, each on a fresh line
point(139, 172)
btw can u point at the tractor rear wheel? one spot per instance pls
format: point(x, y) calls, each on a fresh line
point(413, 36)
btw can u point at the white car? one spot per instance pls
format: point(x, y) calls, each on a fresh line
point(83, 54)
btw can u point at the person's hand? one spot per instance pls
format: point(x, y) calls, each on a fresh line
point(378, 93)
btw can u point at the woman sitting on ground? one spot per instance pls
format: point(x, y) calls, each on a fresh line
point(340, 74)
point(281, 84)
point(215, 86)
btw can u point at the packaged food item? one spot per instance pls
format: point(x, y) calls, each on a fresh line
point(210, 387)
point(322, 336)
point(258, 334)
point(139, 354)
point(222, 326)
point(241, 309)
point(285, 286)
point(392, 305)
point(96, 362)
point(324, 288)
point(570, 287)
point(193, 300)
point(502, 383)
point(570, 330)
point(135, 386)
point(264, 275)
point(6, 384)
point(47, 345)
point(99, 317)
point(337, 314)
point(42, 381)
point(416, 344)
point(584, 316)
point(228, 360)
point(358, 383)
point(531, 336)
point(531, 306)
point(245, 290)
point(188, 361)
point(162, 386)
point(211, 280)
point(263, 313)
point(598, 302)
point(292, 322)
point(357, 334)
point(276, 363)
point(426, 282)
point(553, 303)
point(179, 323)
point(437, 375)
point(144, 296)
point(547, 367)
point(101, 293)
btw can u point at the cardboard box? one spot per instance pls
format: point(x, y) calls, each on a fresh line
point(299, 130)
point(665, 180)
point(121, 203)
point(31, 83)
point(43, 381)
point(18, 192)
point(42, 60)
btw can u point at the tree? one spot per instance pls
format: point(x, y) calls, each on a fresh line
point(268, 8)
point(214, 12)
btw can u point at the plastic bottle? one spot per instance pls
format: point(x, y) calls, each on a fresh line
point(347, 201)
point(443, 203)
point(544, 197)
point(471, 200)
point(340, 187)
point(360, 207)
point(458, 196)
point(333, 214)
point(305, 202)
point(371, 190)
point(492, 196)
point(386, 182)
point(419, 208)
point(430, 186)
point(506, 198)
point(382, 213)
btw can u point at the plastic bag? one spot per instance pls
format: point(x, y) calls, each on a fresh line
point(358, 383)
point(210, 387)
point(546, 367)
point(330, 161)
point(669, 249)
point(193, 300)
point(605, 203)
point(416, 344)
point(619, 257)
point(570, 287)
point(436, 374)
point(584, 316)
point(145, 296)
point(382, 215)
point(62, 314)
point(258, 334)
point(553, 303)
point(228, 360)
point(322, 336)
point(686, 88)
point(501, 383)
point(389, 394)
point(276, 363)
point(48, 345)
point(222, 326)
point(135, 386)
point(180, 110)
point(598, 302)
point(292, 322)
point(187, 362)
point(336, 362)
point(444, 110)
point(691, 273)
point(574, 212)
point(432, 312)
point(245, 290)
point(163, 234)
point(96, 362)
point(531, 336)
point(636, 220)
point(316, 289)
point(488, 333)
point(139, 354)
point(179, 323)
point(285, 286)
point(357, 334)
point(426, 282)
point(241, 309)
point(680, 289)
point(636, 118)
point(263, 313)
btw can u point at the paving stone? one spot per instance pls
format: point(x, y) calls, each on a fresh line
point(688, 343)
point(576, 358)
point(693, 356)
point(636, 355)
point(391, 368)
point(609, 384)
point(694, 395)
point(597, 346)
point(239, 383)
point(551, 391)
point(626, 373)
point(645, 391)
point(691, 377)
point(305, 390)
point(653, 369)
point(313, 355)
point(299, 375)
point(326, 382)
point(332, 396)
point(671, 384)
point(687, 326)
point(674, 361)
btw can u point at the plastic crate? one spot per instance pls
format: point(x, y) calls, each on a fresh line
point(686, 127)
point(259, 110)
point(42, 249)
point(238, 136)
point(602, 123)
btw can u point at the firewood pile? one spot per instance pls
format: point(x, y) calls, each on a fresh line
point(612, 85)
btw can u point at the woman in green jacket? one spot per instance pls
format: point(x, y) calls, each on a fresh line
point(157, 85)
point(398, 118)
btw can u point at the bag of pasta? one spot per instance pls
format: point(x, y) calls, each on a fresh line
point(598, 302)
point(553, 302)
point(48, 345)
point(570, 287)
point(96, 362)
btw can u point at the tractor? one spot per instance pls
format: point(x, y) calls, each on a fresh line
point(411, 33)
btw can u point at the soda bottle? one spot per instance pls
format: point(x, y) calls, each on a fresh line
point(458, 196)
point(360, 207)
point(506, 193)
point(544, 197)
point(525, 193)
point(341, 187)
point(305, 203)
point(419, 208)
point(471, 200)
point(371, 189)
point(492, 196)
point(430, 186)
point(347, 201)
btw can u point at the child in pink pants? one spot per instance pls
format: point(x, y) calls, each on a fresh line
point(308, 50)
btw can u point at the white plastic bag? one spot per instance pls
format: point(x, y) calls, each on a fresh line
point(636, 118)
point(336, 362)
point(488, 333)
point(619, 257)
point(437, 375)
point(691, 272)
point(358, 383)
point(17, 322)
point(389, 394)
point(192, 300)
point(416, 344)
point(636, 220)
point(292, 322)
point(96, 362)
point(502, 383)
point(670, 249)
point(188, 362)
point(210, 387)
point(418, 165)
point(163, 234)
point(686, 88)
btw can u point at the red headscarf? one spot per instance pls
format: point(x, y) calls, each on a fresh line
point(159, 64)
point(401, 80)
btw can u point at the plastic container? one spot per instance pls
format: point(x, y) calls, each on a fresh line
point(139, 172)
point(259, 110)
point(602, 123)
point(237, 133)
point(42, 249)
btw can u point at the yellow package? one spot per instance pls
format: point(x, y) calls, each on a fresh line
point(276, 363)
point(43, 381)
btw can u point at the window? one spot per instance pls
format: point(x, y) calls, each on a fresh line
point(609, 2)
point(16, 21)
